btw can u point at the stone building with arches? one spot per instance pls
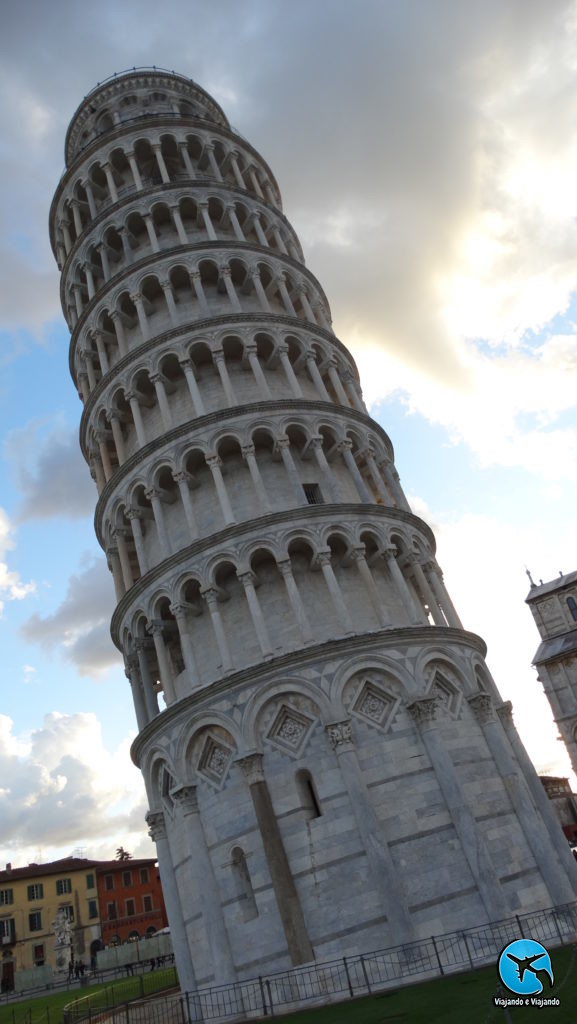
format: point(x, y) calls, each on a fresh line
point(329, 765)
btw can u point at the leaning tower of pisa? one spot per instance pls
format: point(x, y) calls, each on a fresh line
point(329, 766)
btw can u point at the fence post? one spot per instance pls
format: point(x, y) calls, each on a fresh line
point(468, 950)
point(262, 995)
point(187, 997)
point(141, 984)
point(519, 925)
point(267, 983)
point(349, 982)
point(367, 982)
point(437, 954)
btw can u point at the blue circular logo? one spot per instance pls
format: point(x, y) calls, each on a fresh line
point(520, 965)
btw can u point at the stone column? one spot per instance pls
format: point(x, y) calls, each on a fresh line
point(120, 537)
point(116, 318)
point(179, 612)
point(113, 563)
point(435, 578)
point(84, 388)
point(134, 169)
point(299, 611)
point(180, 229)
point(427, 592)
point(182, 480)
point(142, 318)
point(306, 304)
point(289, 372)
point(90, 198)
point(214, 463)
point(159, 386)
point(537, 790)
point(392, 481)
point(110, 182)
point(220, 362)
point(255, 216)
point(552, 873)
point(156, 629)
point(248, 454)
point(358, 555)
point(230, 289)
point(250, 352)
point(101, 349)
point(282, 444)
point(154, 498)
point(132, 399)
point(415, 618)
point(117, 435)
point(186, 159)
point(279, 240)
point(131, 672)
point(212, 161)
point(383, 873)
point(204, 887)
point(199, 292)
point(156, 149)
point(259, 289)
point(352, 387)
point(290, 910)
point(280, 282)
point(104, 456)
point(337, 383)
point(346, 450)
point(236, 171)
point(103, 250)
point(203, 207)
point(150, 698)
point(134, 515)
point(423, 712)
point(255, 182)
point(76, 218)
point(247, 580)
point(169, 298)
point(186, 975)
point(324, 560)
point(328, 477)
point(316, 377)
point(210, 597)
point(152, 236)
point(239, 233)
point(96, 466)
point(196, 397)
point(89, 281)
point(377, 478)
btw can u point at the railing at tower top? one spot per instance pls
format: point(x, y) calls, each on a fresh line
point(354, 976)
point(140, 67)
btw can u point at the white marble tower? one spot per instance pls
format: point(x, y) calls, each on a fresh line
point(329, 765)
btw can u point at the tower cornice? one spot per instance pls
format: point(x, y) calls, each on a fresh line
point(375, 641)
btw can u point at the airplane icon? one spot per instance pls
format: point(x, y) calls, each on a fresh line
point(526, 964)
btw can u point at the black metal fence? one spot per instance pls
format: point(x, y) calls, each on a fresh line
point(335, 980)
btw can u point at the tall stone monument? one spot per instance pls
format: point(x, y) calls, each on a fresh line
point(554, 608)
point(329, 765)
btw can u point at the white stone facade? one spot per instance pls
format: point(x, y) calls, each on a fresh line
point(329, 765)
point(554, 609)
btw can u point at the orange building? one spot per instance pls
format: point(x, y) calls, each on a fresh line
point(129, 900)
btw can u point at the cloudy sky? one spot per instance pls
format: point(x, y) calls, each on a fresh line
point(427, 156)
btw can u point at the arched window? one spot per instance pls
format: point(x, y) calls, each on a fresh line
point(309, 800)
point(243, 885)
point(572, 606)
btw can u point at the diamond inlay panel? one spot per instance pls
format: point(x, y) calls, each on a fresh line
point(375, 705)
point(290, 730)
point(214, 761)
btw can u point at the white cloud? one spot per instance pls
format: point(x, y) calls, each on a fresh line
point(12, 588)
point(79, 628)
point(51, 473)
point(63, 788)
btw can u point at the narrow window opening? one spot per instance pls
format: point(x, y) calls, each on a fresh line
point(309, 800)
point(243, 885)
point(572, 606)
point(313, 494)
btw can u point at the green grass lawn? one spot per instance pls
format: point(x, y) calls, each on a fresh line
point(464, 998)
